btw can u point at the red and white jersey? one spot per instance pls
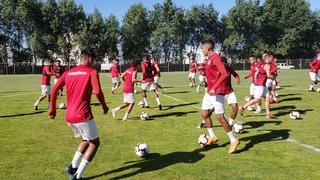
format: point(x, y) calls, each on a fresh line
point(114, 70)
point(254, 67)
point(46, 75)
point(193, 67)
point(314, 66)
point(128, 86)
point(58, 71)
point(202, 69)
point(262, 76)
point(273, 68)
point(147, 71)
point(226, 86)
point(80, 82)
point(154, 67)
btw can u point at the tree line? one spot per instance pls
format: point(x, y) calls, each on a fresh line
point(36, 29)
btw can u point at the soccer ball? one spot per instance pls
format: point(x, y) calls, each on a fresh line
point(277, 94)
point(250, 108)
point(294, 115)
point(203, 139)
point(318, 90)
point(62, 106)
point(141, 104)
point(135, 91)
point(247, 99)
point(238, 128)
point(142, 149)
point(144, 116)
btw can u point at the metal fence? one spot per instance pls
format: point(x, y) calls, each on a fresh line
point(29, 68)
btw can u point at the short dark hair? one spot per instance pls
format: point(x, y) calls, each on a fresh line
point(209, 42)
point(88, 52)
point(117, 59)
point(134, 62)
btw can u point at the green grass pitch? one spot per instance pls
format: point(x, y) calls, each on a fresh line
point(34, 147)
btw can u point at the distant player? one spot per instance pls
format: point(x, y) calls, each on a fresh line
point(156, 74)
point(115, 73)
point(79, 82)
point(58, 71)
point(314, 68)
point(192, 72)
point(202, 75)
point(130, 78)
point(214, 98)
point(148, 82)
point(45, 83)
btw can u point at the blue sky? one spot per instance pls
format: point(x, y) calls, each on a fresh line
point(119, 7)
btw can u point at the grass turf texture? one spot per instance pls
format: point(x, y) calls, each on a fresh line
point(34, 147)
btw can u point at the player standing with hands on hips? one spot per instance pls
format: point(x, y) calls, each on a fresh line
point(79, 82)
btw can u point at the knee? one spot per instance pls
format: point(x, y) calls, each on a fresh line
point(204, 114)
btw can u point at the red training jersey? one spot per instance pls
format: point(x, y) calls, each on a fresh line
point(226, 86)
point(154, 67)
point(114, 70)
point(147, 75)
point(193, 67)
point(46, 75)
point(58, 71)
point(128, 86)
point(202, 69)
point(314, 66)
point(262, 76)
point(273, 68)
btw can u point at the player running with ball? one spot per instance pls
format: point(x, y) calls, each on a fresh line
point(214, 97)
point(79, 82)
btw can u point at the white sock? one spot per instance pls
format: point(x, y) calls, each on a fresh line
point(231, 136)
point(126, 115)
point(112, 89)
point(36, 103)
point(231, 121)
point(76, 158)
point(211, 133)
point(158, 100)
point(116, 109)
point(145, 101)
point(82, 167)
point(203, 121)
point(116, 87)
point(259, 108)
point(198, 88)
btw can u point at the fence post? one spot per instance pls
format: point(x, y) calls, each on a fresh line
point(14, 68)
point(300, 63)
point(244, 65)
point(6, 69)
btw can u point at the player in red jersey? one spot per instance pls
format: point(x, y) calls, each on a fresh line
point(148, 82)
point(214, 97)
point(115, 75)
point(271, 81)
point(58, 70)
point(79, 82)
point(156, 74)
point(202, 75)
point(45, 83)
point(192, 72)
point(314, 68)
point(130, 78)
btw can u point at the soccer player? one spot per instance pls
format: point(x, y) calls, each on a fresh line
point(79, 82)
point(130, 78)
point(115, 75)
point(214, 97)
point(148, 82)
point(314, 68)
point(192, 72)
point(271, 81)
point(156, 74)
point(45, 83)
point(202, 75)
point(254, 66)
point(58, 70)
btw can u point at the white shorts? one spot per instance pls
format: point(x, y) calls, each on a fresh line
point(192, 75)
point(45, 90)
point(260, 91)
point(150, 85)
point(252, 89)
point(116, 80)
point(314, 76)
point(88, 130)
point(202, 78)
point(128, 98)
point(156, 79)
point(270, 83)
point(213, 102)
point(231, 98)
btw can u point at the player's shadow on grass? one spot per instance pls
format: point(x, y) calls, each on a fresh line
point(156, 162)
point(270, 135)
point(177, 114)
point(177, 92)
point(22, 114)
point(282, 108)
point(286, 113)
point(167, 107)
point(290, 94)
point(9, 92)
point(290, 99)
point(257, 124)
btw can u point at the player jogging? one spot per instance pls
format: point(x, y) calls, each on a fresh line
point(156, 74)
point(148, 82)
point(130, 78)
point(214, 97)
point(58, 71)
point(192, 72)
point(79, 82)
point(115, 75)
point(314, 68)
point(202, 75)
point(45, 83)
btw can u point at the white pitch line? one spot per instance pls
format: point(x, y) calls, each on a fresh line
point(307, 146)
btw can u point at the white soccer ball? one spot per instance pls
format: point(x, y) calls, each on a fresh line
point(247, 99)
point(135, 91)
point(277, 94)
point(238, 128)
point(142, 149)
point(141, 104)
point(294, 115)
point(203, 139)
point(144, 116)
point(318, 90)
point(62, 106)
point(250, 108)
